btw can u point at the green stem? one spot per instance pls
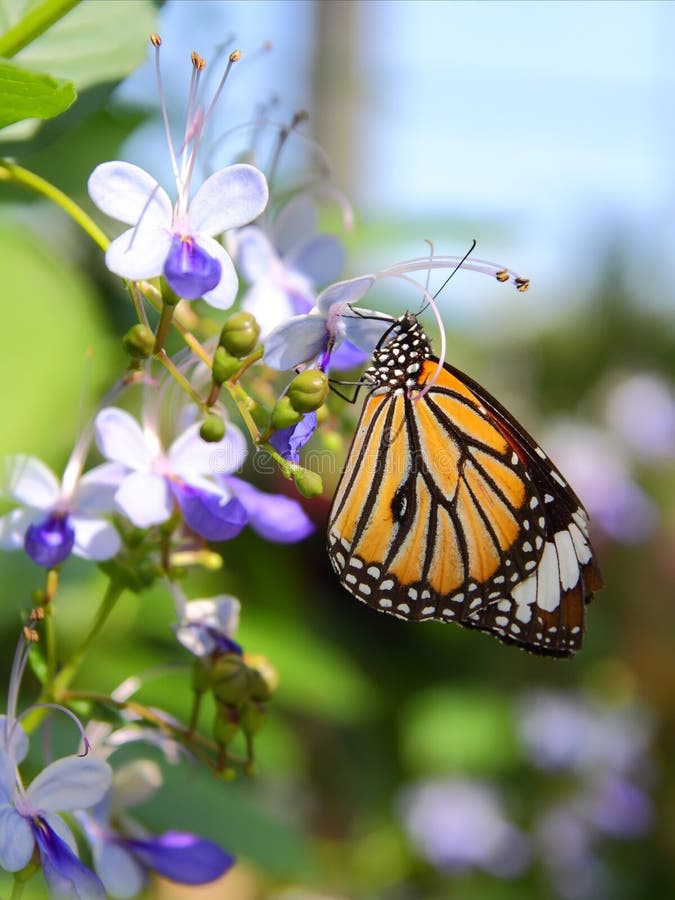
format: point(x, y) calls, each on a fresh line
point(11, 172)
point(178, 376)
point(32, 25)
point(18, 886)
point(165, 319)
point(68, 672)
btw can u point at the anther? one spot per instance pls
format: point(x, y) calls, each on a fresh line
point(235, 55)
point(522, 284)
point(198, 61)
point(155, 40)
point(502, 275)
point(30, 635)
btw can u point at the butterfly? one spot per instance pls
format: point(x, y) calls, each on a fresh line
point(447, 509)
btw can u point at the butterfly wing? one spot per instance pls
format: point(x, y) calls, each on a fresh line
point(447, 509)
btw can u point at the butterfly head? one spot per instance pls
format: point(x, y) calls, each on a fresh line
point(397, 362)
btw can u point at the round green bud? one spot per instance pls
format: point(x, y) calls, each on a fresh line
point(284, 415)
point(308, 390)
point(224, 366)
point(240, 334)
point(225, 725)
point(231, 679)
point(264, 677)
point(139, 341)
point(212, 429)
point(252, 718)
point(308, 483)
point(201, 677)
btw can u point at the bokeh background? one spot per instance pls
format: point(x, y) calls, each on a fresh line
point(409, 761)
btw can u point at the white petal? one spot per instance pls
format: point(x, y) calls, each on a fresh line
point(139, 252)
point(126, 192)
point(18, 748)
point(95, 538)
point(269, 303)
point(14, 525)
point(221, 612)
point(16, 840)
point(28, 480)
point(320, 259)
point(145, 499)
point(366, 329)
point(190, 456)
point(121, 875)
point(295, 224)
point(296, 341)
point(343, 292)
point(134, 783)
point(224, 293)
point(229, 198)
point(120, 439)
point(255, 253)
point(72, 782)
point(95, 493)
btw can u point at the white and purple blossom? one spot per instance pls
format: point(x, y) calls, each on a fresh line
point(178, 240)
point(56, 519)
point(207, 625)
point(124, 853)
point(288, 442)
point(274, 517)
point(286, 263)
point(459, 825)
point(29, 816)
point(153, 482)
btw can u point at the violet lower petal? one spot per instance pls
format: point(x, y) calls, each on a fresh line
point(289, 441)
point(49, 542)
point(182, 857)
point(210, 515)
point(65, 874)
point(189, 270)
point(275, 517)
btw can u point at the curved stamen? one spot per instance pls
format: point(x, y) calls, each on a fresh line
point(71, 715)
point(156, 43)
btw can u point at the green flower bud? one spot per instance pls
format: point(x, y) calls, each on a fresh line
point(252, 717)
point(308, 390)
point(201, 677)
point(283, 414)
point(139, 341)
point(225, 725)
point(264, 677)
point(240, 334)
point(212, 429)
point(308, 483)
point(224, 366)
point(231, 679)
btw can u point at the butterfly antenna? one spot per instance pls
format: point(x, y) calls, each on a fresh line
point(434, 308)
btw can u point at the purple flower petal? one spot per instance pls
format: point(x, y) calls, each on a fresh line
point(347, 356)
point(50, 541)
point(212, 516)
point(274, 516)
point(66, 876)
point(190, 271)
point(288, 441)
point(182, 857)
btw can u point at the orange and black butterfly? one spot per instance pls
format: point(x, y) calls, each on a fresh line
point(447, 508)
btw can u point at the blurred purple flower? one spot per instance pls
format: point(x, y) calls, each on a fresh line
point(275, 517)
point(288, 442)
point(207, 625)
point(285, 264)
point(571, 733)
point(124, 854)
point(459, 825)
point(616, 807)
point(600, 474)
point(565, 843)
point(641, 411)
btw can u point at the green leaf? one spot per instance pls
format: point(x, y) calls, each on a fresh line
point(22, 23)
point(31, 95)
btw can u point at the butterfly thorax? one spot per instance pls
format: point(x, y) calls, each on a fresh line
point(398, 362)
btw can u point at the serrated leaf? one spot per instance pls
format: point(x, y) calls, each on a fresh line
point(31, 95)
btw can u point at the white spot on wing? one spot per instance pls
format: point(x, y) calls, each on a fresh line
point(548, 577)
point(581, 547)
point(567, 560)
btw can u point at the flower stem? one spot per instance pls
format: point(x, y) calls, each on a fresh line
point(178, 376)
point(165, 319)
point(11, 172)
point(68, 672)
point(32, 25)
